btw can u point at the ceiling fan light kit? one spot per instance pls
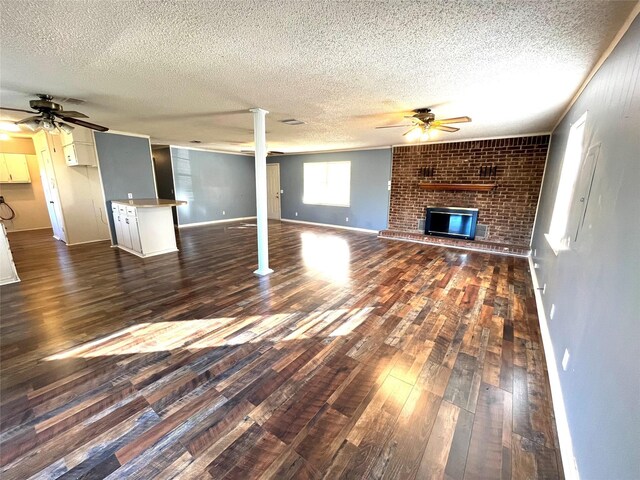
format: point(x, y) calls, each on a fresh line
point(423, 121)
point(49, 115)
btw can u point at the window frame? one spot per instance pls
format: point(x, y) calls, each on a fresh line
point(557, 234)
point(324, 201)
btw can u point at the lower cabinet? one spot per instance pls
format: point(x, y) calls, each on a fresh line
point(144, 231)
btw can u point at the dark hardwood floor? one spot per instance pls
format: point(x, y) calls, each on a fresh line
point(358, 358)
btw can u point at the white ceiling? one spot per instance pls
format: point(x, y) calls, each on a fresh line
point(175, 69)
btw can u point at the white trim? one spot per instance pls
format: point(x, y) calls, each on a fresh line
point(138, 254)
point(153, 171)
point(200, 149)
point(173, 179)
point(459, 247)
point(562, 423)
point(27, 229)
point(479, 139)
point(544, 175)
point(339, 150)
point(104, 197)
point(213, 222)
point(128, 134)
point(603, 58)
point(355, 229)
point(89, 241)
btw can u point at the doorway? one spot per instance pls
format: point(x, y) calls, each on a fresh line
point(49, 185)
point(273, 191)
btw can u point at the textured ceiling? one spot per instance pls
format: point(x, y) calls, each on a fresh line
point(181, 70)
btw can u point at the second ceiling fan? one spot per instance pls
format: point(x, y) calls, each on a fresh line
point(423, 120)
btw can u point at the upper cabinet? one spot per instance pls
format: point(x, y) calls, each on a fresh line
point(79, 147)
point(14, 168)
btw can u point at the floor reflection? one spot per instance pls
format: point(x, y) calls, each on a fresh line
point(327, 256)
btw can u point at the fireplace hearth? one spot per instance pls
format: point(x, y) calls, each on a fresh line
point(451, 222)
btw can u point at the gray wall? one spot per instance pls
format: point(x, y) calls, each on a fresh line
point(211, 183)
point(125, 167)
point(370, 174)
point(595, 285)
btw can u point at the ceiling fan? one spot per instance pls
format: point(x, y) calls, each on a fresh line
point(49, 114)
point(423, 120)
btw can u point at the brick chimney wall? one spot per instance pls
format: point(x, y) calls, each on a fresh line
point(509, 210)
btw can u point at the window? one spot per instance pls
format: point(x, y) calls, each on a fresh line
point(557, 236)
point(327, 183)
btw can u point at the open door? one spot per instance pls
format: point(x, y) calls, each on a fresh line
point(273, 191)
point(51, 194)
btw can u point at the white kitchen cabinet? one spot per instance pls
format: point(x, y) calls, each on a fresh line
point(80, 154)
point(79, 147)
point(145, 227)
point(14, 168)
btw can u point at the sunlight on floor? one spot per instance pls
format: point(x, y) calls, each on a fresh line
point(219, 332)
point(326, 255)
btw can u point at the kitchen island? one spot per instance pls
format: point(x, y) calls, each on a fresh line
point(144, 226)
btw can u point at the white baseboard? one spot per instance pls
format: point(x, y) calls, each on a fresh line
point(88, 241)
point(562, 423)
point(29, 229)
point(213, 222)
point(365, 230)
point(138, 254)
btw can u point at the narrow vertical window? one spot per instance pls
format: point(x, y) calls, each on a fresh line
point(558, 236)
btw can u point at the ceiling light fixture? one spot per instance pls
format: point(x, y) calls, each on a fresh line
point(49, 125)
point(419, 132)
point(4, 137)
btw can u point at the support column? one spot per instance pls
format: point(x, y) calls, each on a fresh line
point(260, 139)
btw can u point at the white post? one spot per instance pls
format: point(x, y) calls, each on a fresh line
point(260, 139)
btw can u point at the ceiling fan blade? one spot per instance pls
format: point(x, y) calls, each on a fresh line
point(17, 110)
point(394, 126)
point(453, 120)
point(444, 128)
point(82, 123)
point(71, 113)
point(38, 117)
point(414, 119)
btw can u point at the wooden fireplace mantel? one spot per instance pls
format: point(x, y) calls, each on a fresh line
point(475, 187)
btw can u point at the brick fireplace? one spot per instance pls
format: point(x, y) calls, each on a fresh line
point(514, 165)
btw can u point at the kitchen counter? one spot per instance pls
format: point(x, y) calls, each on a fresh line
point(144, 226)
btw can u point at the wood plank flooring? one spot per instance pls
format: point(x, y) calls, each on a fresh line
point(358, 358)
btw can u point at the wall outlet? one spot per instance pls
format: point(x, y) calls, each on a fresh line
point(129, 196)
point(347, 219)
point(389, 185)
point(536, 265)
point(553, 311)
point(296, 214)
point(535, 252)
point(281, 191)
point(544, 288)
point(223, 212)
point(565, 359)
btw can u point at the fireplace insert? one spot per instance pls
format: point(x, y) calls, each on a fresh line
point(451, 222)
